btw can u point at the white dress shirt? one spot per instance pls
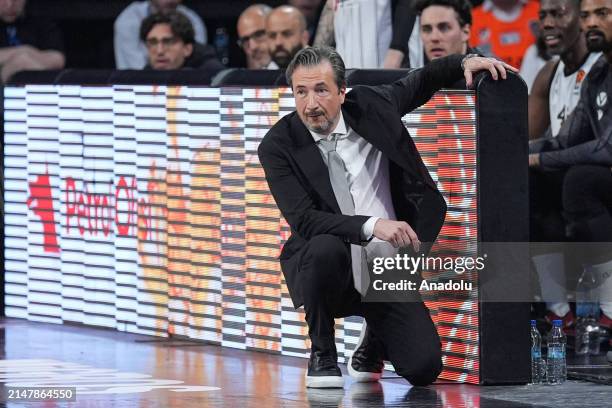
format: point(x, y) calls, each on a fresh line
point(271, 65)
point(367, 172)
point(362, 31)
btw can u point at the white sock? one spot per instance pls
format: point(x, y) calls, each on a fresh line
point(558, 308)
point(551, 274)
point(603, 273)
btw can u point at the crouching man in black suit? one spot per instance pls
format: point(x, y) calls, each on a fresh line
point(349, 180)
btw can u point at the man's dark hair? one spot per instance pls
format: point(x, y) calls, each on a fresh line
point(463, 8)
point(179, 25)
point(312, 56)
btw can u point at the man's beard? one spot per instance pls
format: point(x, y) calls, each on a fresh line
point(597, 43)
point(260, 58)
point(283, 60)
point(322, 128)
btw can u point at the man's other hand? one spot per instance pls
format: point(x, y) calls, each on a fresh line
point(397, 233)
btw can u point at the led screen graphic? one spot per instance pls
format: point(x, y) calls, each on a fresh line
point(145, 209)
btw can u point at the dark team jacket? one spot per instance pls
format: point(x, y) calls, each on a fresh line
point(586, 135)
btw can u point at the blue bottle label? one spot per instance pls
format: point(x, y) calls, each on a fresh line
point(556, 352)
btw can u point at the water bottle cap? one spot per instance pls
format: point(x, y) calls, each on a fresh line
point(533, 323)
point(557, 323)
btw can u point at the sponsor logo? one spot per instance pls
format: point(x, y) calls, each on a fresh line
point(601, 99)
point(40, 202)
point(87, 212)
point(510, 38)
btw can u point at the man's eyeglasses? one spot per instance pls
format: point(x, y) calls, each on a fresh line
point(165, 42)
point(257, 36)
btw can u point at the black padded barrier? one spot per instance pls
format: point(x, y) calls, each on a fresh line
point(503, 204)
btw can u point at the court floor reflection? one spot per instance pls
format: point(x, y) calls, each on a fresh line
point(110, 369)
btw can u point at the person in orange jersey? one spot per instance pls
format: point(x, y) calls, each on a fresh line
point(505, 28)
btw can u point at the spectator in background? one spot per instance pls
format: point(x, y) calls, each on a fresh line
point(556, 89)
point(573, 175)
point(287, 34)
point(444, 27)
point(372, 34)
point(27, 43)
point(534, 60)
point(406, 48)
point(361, 30)
point(170, 42)
point(130, 51)
point(252, 37)
point(311, 9)
point(505, 28)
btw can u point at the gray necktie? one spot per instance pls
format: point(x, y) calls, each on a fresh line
point(339, 182)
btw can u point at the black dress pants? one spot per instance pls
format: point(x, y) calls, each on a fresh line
point(405, 329)
point(587, 202)
point(546, 222)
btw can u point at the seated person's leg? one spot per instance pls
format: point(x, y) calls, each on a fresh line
point(546, 225)
point(587, 203)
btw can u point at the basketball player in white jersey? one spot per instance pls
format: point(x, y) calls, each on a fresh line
point(555, 94)
point(556, 89)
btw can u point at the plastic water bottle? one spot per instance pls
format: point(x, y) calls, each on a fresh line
point(588, 336)
point(556, 370)
point(537, 372)
point(222, 44)
point(587, 299)
point(587, 312)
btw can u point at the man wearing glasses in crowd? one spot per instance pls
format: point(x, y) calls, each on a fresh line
point(170, 42)
point(252, 39)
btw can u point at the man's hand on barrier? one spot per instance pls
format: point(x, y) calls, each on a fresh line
point(472, 64)
point(397, 233)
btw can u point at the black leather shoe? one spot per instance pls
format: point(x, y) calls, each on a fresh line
point(366, 364)
point(323, 371)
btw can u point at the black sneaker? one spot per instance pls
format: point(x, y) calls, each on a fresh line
point(323, 371)
point(366, 364)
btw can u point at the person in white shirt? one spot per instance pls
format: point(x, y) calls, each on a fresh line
point(360, 29)
point(534, 60)
point(130, 51)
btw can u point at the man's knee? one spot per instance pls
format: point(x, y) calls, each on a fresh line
point(326, 248)
point(577, 182)
point(422, 369)
point(581, 187)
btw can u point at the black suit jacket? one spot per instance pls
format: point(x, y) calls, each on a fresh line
point(299, 179)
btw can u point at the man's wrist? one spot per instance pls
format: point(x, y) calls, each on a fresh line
point(467, 57)
point(367, 229)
